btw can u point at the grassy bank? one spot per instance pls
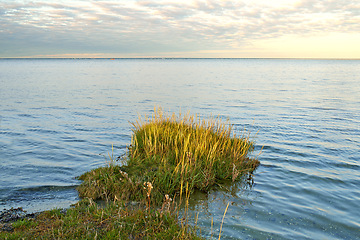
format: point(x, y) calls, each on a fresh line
point(170, 157)
point(88, 220)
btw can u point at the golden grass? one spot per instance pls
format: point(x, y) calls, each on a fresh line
point(174, 154)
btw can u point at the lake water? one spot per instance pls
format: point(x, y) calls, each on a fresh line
point(60, 117)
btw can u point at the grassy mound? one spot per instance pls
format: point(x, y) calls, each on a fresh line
point(169, 156)
point(172, 155)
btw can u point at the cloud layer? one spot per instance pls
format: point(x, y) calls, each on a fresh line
point(30, 28)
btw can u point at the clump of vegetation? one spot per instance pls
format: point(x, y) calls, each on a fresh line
point(176, 154)
point(169, 157)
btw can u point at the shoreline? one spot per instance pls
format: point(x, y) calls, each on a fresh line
point(9, 216)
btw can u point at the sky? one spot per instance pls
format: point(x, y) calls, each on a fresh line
point(180, 28)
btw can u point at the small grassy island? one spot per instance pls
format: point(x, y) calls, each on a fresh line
point(169, 158)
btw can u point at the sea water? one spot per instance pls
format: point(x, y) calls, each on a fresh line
point(60, 118)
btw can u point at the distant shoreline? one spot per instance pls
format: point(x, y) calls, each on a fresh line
point(175, 58)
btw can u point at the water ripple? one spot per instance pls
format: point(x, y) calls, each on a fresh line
point(306, 112)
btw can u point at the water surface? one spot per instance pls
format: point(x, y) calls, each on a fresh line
point(59, 118)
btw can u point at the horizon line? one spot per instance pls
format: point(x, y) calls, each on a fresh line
point(113, 58)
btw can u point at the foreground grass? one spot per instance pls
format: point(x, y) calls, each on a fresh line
point(87, 220)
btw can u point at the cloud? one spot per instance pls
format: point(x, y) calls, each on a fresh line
point(129, 26)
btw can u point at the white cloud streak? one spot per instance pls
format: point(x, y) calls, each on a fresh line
point(148, 27)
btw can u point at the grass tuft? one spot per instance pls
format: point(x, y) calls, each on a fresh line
point(174, 154)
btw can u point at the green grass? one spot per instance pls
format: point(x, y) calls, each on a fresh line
point(23, 224)
point(87, 220)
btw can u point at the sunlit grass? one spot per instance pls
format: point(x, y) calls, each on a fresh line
point(174, 154)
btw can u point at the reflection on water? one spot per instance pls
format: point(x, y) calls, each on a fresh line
point(237, 193)
point(207, 209)
point(58, 117)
